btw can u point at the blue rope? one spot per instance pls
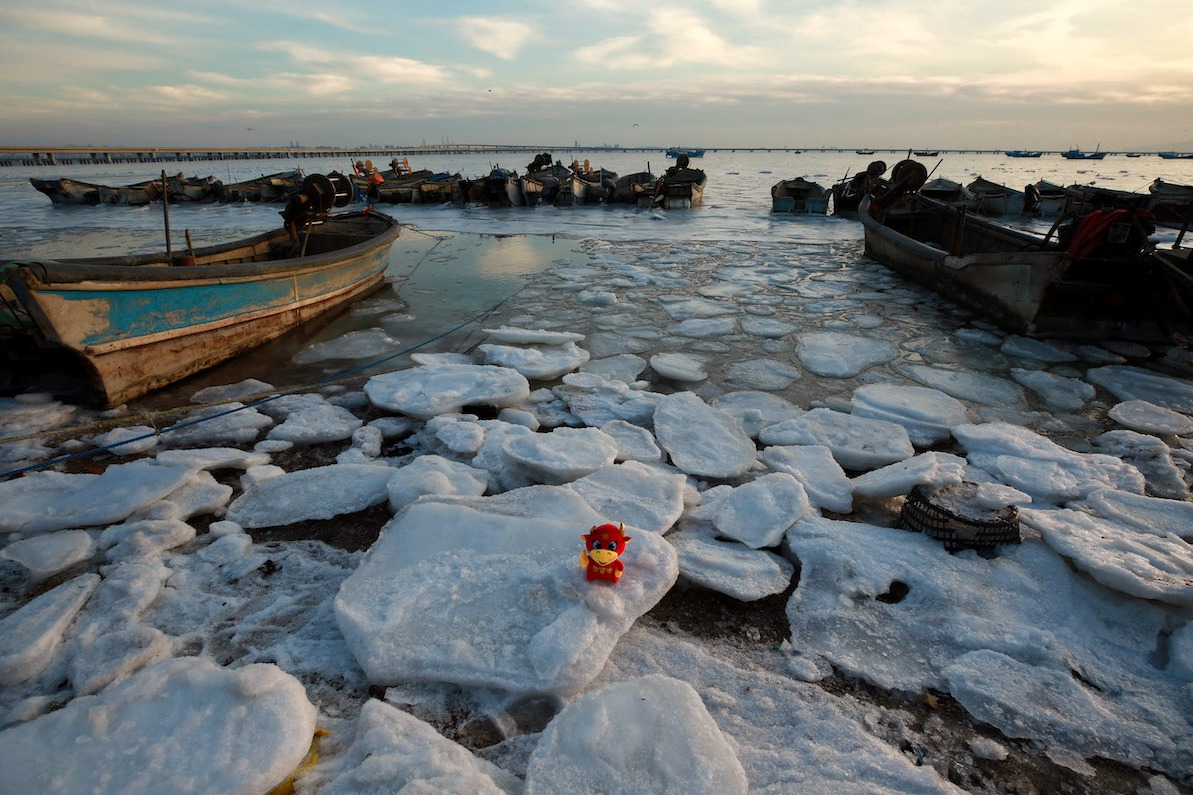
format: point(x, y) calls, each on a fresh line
point(190, 423)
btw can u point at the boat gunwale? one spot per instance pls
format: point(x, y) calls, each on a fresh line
point(137, 271)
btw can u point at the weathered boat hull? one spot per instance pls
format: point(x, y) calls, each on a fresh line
point(140, 323)
point(1028, 285)
point(799, 196)
point(680, 189)
point(67, 191)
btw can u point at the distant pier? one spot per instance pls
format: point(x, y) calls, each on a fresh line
point(107, 155)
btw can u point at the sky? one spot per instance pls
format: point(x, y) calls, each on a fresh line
point(711, 73)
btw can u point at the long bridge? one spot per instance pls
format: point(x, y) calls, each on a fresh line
point(80, 155)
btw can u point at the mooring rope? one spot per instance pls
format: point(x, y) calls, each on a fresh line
point(255, 400)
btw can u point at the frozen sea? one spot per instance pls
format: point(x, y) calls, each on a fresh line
point(381, 558)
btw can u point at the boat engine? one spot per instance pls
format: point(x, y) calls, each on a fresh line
point(318, 195)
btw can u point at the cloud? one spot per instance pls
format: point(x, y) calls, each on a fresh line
point(500, 37)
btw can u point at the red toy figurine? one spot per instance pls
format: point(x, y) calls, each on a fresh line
point(603, 545)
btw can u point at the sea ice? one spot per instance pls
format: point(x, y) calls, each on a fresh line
point(701, 440)
point(47, 554)
point(762, 374)
point(433, 474)
point(182, 725)
point(545, 363)
point(652, 734)
point(927, 414)
point(525, 336)
point(759, 512)
point(561, 456)
point(679, 366)
point(838, 355)
point(1145, 417)
point(1146, 514)
point(1039, 350)
point(1059, 392)
point(643, 497)
point(227, 424)
point(857, 443)
point(1041, 467)
point(1151, 456)
point(625, 367)
point(895, 609)
point(755, 410)
point(1144, 565)
point(488, 592)
point(56, 501)
point(825, 483)
point(317, 493)
point(369, 343)
point(634, 443)
point(427, 390)
point(926, 469)
point(731, 568)
point(595, 400)
point(394, 751)
point(310, 419)
point(1135, 383)
point(30, 636)
point(980, 388)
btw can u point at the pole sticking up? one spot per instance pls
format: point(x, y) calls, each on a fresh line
point(166, 214)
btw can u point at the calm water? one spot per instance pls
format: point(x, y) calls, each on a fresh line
point(448, 266)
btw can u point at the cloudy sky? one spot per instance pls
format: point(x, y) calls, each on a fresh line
point(714, 73)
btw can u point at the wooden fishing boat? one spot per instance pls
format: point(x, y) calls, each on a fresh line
point(591, 185)
point(991, 198)
point(1022, 153)
point(636, 189)
point(680, 187)
point(137, 323)
point(1172, 204)
point(438, 189)
point(1046, 199)
point(499, 188)
point(266, 189)
point(1098, 277)
point(948, 191)
point(799, 196)
point(68, 191)
point(138, 194)
point(543, 180)
point(848, 191)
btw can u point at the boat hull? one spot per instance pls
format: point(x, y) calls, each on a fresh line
point(138, 326)
point(1030, 285)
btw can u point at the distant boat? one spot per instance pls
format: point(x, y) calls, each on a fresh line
point(926, 153)
point(864, 151)
point(1077, 154)
point(676, 151)
point(799, 196)
point(1022, 153)
point(1177, 155)
point(1134, 154)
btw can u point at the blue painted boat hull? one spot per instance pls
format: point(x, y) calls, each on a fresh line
point(140, 323)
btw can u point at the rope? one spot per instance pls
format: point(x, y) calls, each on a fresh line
point(255, 400)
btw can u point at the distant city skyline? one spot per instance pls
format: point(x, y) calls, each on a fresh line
point(712, 73)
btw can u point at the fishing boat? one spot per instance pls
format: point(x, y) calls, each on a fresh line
point(680, 187)
point(499, 188)
point(591, 185)
point(863, 151)
point(1046, 199)
point(1077, 154)
point(1099, 276)
point(140, 322)
point(1022, 153)
point(1176, 155)
point(680, 151)
point(799, 196)
point(439, 188)
point(266, 189)
point(949, 192)
point(636, 189)
point(926, 153)
point(848, 191)
point(1172, 204)
point(991, 198)
point(68, 191)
